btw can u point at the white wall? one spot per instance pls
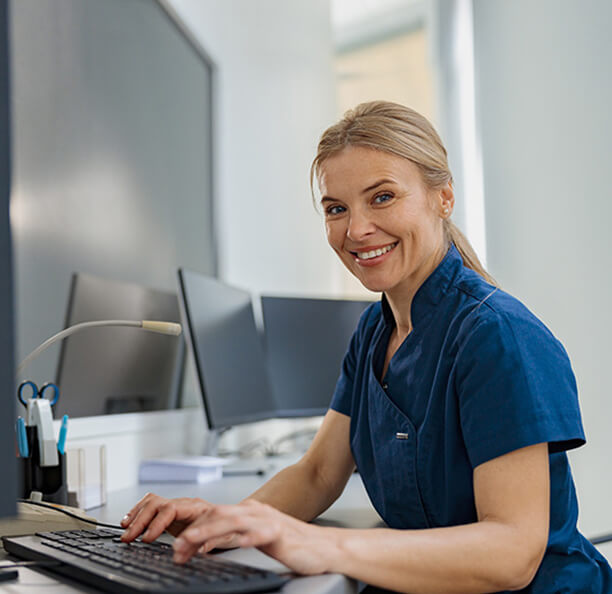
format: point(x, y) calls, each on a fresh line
point(275, 96)
point(544, 91)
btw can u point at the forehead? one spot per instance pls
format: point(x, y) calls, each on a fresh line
point(356, 168)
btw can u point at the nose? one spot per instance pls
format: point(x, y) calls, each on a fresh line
point(360, 225)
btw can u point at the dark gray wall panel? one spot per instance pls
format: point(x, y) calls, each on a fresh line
point(112, 146)
point(8, 493)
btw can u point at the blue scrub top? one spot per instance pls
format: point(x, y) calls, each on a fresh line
point(479, 376)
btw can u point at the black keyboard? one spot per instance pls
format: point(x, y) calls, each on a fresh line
point(100, 559)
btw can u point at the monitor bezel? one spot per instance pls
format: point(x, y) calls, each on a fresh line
point(189, 328)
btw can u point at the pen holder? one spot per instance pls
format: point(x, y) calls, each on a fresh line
point(49, 480)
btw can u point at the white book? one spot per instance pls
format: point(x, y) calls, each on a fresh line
point(181, 469)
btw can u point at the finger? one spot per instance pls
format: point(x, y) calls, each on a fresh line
point(166, 513)
point(218, 523)
point(169, 511)
point(223, 542)
point(142, 518)
point(169, 514)
point(221, 522)
point(129, 517)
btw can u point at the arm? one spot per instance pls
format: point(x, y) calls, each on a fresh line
point(303, 490)
point(501, 551)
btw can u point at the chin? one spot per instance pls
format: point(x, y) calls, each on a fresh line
point(369, 281)
point(377, 286)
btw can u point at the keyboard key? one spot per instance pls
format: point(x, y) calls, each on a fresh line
point(102, 560)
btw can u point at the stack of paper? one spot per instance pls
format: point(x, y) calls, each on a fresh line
point(181, 469)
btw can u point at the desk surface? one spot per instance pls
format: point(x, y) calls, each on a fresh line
point(352, 510)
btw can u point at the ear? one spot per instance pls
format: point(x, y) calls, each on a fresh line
point(446, 201)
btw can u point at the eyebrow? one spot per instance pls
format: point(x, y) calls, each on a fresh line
point(365, 190)
point(376, 184)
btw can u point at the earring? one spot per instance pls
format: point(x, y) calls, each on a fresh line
point(445, 211)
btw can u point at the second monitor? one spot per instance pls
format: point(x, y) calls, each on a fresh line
point(305, 342)
point(244, 375)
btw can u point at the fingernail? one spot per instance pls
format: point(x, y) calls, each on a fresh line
point(124, 519)
point(193, 533)
point(180, 544)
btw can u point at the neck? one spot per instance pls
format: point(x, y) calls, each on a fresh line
point(400, 298)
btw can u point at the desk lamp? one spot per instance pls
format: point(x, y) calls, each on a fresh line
point(170, 328)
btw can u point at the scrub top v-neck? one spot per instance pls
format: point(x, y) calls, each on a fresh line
point(478, 377)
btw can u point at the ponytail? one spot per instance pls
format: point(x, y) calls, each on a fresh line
point(468, 255)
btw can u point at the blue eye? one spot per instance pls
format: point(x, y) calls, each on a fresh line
point(381, 198)
point(334, 210)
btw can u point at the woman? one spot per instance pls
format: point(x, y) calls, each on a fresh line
point(454, 402)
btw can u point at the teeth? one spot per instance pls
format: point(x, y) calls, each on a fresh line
point(374, 253)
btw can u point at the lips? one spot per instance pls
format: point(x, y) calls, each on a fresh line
point(374, 252)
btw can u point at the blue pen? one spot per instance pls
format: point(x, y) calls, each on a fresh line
point(22, 439)
point(61, 441)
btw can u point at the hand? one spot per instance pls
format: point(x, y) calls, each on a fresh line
point(302, 547)
point(154, 514)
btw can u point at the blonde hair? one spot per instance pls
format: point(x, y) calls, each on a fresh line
point(399, 130)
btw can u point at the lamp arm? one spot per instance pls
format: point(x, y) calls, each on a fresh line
point(153, 326)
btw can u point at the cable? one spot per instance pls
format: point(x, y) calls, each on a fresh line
point(270, 449)
point(275, 450)
point(41, 563)
point(8, 573)
point(248, 449)
point(64, 511)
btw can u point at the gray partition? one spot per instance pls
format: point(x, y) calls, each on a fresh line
point(8, 464)
point(112, 154)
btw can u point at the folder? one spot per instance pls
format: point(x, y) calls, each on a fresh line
point(181, 469)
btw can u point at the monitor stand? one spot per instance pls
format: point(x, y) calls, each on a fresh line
point(211, 442)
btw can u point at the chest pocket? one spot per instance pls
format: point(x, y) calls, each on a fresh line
point(384, 445)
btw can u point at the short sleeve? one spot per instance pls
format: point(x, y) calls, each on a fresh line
point(341, 400)
point(516, 387)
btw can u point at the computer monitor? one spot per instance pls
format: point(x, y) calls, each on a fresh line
point(108, 370)
point(220, 328)
point(8, 464)
point(305, 342)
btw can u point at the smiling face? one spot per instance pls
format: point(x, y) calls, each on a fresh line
point(382, 221)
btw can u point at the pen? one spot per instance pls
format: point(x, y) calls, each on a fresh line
point(22, 438)
point(244, 472)
point(61, 440)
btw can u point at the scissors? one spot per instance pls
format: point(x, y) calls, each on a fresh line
point(39, 416)
point(36, 393)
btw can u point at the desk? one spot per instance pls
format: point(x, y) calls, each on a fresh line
point(352, 509)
